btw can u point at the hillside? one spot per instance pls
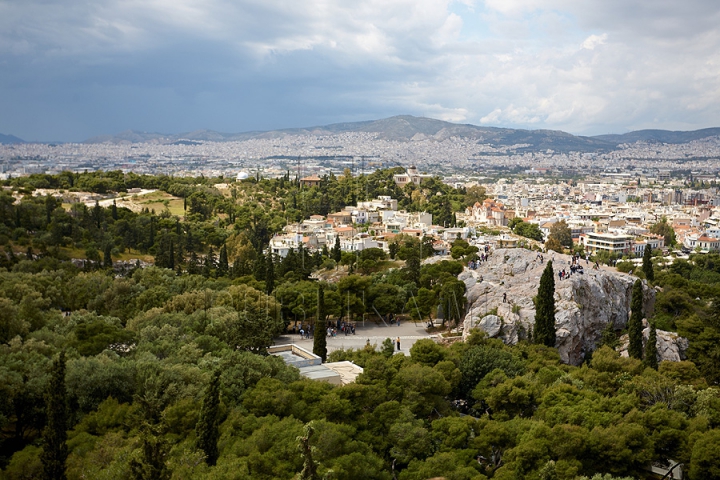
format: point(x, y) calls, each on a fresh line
point(662, 136)
point(5, 139)
point(407, 128)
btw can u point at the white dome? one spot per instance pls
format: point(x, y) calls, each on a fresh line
point(242, 175)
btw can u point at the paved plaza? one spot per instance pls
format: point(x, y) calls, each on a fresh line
point(408, 331)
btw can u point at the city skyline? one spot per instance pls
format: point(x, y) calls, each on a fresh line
point(73, 70)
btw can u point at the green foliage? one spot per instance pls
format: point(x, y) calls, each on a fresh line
point(544, 330)
point(650, 354)
point(560, 237)
point(528, 230)
point(207, 426)
point(665, 229)
point(142, 344)
point(647, 264)
point(54, 436)
point(480, 360)
point(319, 335)
point(635, 347)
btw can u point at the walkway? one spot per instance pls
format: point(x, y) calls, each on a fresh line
point(408, 331)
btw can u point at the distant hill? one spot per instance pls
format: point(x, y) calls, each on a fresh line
point(663, 136)
point(5, 139)
point(410, 128)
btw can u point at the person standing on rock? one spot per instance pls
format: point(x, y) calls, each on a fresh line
point(505, 297)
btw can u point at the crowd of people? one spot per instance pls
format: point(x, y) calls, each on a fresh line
point(307, 331)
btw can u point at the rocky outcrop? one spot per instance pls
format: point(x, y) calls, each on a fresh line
point(585, 303)
point(671, 347)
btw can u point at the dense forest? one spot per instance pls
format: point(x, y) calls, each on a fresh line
point(132, 371)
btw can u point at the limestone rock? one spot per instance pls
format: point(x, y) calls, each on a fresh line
point(585, 303)
point(491, 324)
point(671, 347)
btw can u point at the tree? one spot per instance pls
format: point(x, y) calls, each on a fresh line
point(320, 338)
point(544, 331)
point(209, 265)
point(310, 466)
point(207, 427)
point(560, 237)
point(647, 265)
point(650, 359)
point(529, 230)
point(269, 273)
point(665, 229)
point(474, 194)
point(337, 251)
point(223, 266)
point(107, 256)
point(54, 434)
point(151, 462)
point(635, 347)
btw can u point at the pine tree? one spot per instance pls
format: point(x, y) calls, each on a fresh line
point(544, 332)
point(319, 338)
point(650, 359)
point(634, 326)
point(647, 265)
point(207, 428)
point(223, 266)
point(54, 434)
point(609, 337)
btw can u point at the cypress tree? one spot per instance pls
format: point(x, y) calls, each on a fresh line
point(171, 255)
point(54, 434)
point(337, 252)
point(269, 273)
point(260, 266)
point(650, 359)
point(193, 267)
point(647, 265)
point(107, 256)
point(97, 214)
point(207, 427)
point(150, 464)
point(544, 331)
point(634, 326)
point(113, 211)
point(209, 265)
point(223, 267)
point(319, 338)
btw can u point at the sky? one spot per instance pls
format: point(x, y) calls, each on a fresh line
point(73, 69)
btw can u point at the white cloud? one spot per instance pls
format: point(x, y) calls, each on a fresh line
point(593, 41)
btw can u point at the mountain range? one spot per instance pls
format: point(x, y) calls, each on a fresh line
point(409, 128)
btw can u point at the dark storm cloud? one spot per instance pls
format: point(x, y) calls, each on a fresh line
point(74, 69)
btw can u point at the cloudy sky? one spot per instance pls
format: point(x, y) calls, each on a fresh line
point(71, 69)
